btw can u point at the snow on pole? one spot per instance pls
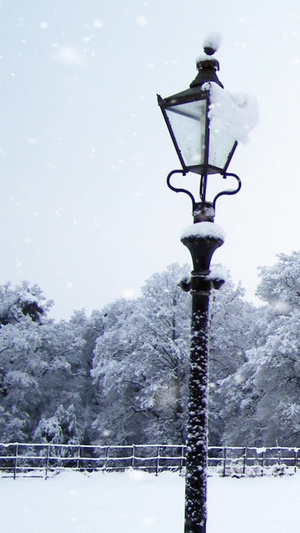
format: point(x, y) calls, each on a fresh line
point(204, 230)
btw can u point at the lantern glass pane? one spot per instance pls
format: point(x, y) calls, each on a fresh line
point(221, 144)
point(188, 122)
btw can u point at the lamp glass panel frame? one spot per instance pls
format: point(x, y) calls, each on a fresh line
point(200, 148)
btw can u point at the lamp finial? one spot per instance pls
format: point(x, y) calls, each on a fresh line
point(212, 43)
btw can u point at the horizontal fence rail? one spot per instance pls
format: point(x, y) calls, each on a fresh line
point(43, 460)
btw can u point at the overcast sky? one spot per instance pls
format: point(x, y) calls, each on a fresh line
point(84, 152)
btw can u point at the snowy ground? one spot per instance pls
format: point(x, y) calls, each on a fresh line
point(139, 503)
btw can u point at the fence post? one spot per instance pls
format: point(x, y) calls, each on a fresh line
point(132, 456)
point(182, 458)
point(78, 457)
point(157, 461)
point(279, 456)
point(16, 460)
point(47, 461)
point(263, 463)
point(295, 459)
point(244, 460)
point(106, 458)
point(224, 461)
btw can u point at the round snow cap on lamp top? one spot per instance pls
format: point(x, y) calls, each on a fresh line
point(212, 43)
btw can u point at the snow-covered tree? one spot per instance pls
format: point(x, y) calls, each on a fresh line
point(62, 380)
point(89, 329)
point(22, 300)
point(21, 366)
point(280, 284)
point(141, 363)
point(41, 369)
point(114, 352)
point(121, 375)
point(261, 401)
point(232, 327)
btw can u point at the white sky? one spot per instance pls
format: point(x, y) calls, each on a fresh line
point(84, 152)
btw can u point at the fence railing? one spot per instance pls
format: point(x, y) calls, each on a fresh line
point(42, 460)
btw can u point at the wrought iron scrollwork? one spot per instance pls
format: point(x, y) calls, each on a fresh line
point(203, 187)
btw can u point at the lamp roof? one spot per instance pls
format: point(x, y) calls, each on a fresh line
point(207, 67)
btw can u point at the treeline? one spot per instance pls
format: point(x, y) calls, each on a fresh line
point(120, 376)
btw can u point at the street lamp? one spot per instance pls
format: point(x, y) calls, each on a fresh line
point(202, 122)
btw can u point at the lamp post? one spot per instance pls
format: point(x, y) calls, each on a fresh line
point(205, 148)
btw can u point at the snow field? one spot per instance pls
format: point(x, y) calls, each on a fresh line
point(138, 502)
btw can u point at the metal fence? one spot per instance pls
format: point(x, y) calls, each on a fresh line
point(20, 459)
point(44, 460)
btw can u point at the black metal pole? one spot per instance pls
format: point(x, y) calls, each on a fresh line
point(202, 249)
point(196, 483)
